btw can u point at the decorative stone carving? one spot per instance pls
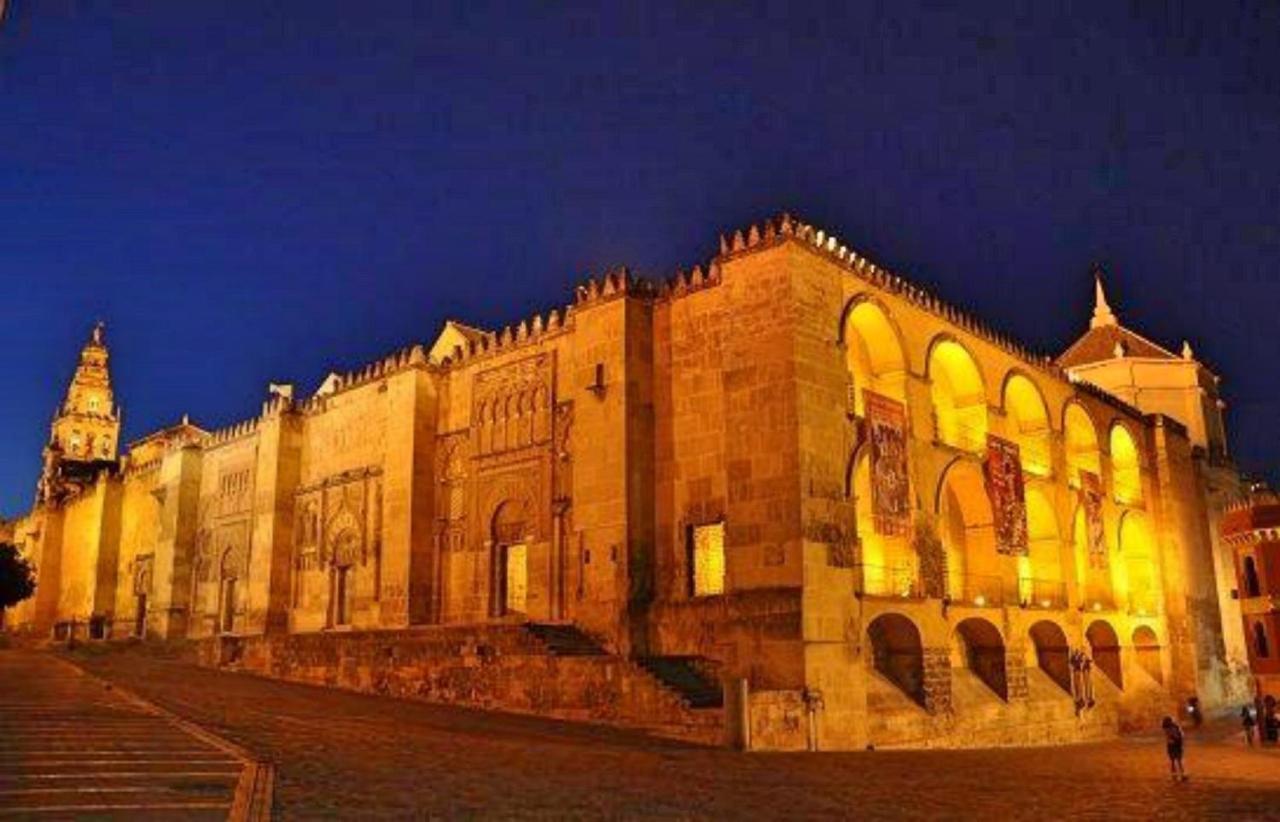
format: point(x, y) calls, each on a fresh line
point(511, 405)
point(342, 511)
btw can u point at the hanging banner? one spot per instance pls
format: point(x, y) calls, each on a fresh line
point(887, 433)
point(1095, 534)
point(1008, 496)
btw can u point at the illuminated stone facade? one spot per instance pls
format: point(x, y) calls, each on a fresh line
point(682, 473)
point(1252, 528)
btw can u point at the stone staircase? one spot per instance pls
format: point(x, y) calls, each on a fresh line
point(564, 640)
point(686, 676)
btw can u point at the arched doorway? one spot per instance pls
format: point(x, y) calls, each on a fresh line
point(141, 589)
point(1052, 652)
point(984, 654)
point(1147, 648)
point(1104, 647)
point(230, 587)
point(510, 558)
point(342, 576)
point(976, 574)
point(898, 654)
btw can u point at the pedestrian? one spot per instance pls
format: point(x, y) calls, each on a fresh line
point(1248, 720)
point(1173, 746)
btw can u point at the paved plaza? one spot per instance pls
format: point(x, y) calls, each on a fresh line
point(353, 756)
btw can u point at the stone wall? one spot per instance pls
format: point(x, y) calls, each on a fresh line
point(494, 667)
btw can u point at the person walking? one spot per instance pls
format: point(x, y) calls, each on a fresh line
point(1173, 746)
point(1248, 722)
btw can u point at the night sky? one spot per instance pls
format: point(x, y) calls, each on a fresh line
point(248, 192)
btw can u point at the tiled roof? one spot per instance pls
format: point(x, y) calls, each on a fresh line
point(1100, 343)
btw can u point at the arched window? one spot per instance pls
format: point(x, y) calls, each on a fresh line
point(1261, 648)
point(1252, 587)
point(959, 397)
point(873, 355)
point(1126, 471)
point(1081, 444)
point(1028, 424)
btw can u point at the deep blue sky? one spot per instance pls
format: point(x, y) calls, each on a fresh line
point(262, 191)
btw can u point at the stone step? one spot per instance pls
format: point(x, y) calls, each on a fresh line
point(681, 674)
point(564, 640)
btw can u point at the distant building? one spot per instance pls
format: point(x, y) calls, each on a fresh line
point(789, 470)
point(1252, 528)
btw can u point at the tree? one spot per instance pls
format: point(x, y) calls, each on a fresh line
point(17, 576)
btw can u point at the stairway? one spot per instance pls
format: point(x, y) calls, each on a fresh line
point(564, 640)
point(681, 675)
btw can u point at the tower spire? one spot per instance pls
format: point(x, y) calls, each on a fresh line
point(1102, 314)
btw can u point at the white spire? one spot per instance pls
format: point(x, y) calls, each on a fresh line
point(1101, 311)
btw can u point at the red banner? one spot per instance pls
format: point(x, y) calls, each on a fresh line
point(887, 433)
point(1008, 496)
point(1095, 533)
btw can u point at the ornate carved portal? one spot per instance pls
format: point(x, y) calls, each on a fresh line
point(338, 546)
point(503, 499)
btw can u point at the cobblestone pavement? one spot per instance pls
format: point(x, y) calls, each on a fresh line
point(354, 756)
point(72, 746)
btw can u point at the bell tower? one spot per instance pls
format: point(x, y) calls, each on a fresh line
point(85, 433)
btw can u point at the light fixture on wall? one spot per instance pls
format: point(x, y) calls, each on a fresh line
point(597, 385)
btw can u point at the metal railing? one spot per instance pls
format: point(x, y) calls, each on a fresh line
point(889, 581)
point(1042, 594)
point(978, 590)
point(1098, 598)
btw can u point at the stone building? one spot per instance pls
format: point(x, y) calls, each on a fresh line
point(1251, 527)
point(789, 471)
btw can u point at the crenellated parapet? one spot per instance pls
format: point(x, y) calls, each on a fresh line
point(134, 470)
point(527, 332)
point(231, 433)
point(786, 228)
point(413, 356)
point(695, 279)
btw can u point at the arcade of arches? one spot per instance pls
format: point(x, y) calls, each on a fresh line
point(789, 472)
